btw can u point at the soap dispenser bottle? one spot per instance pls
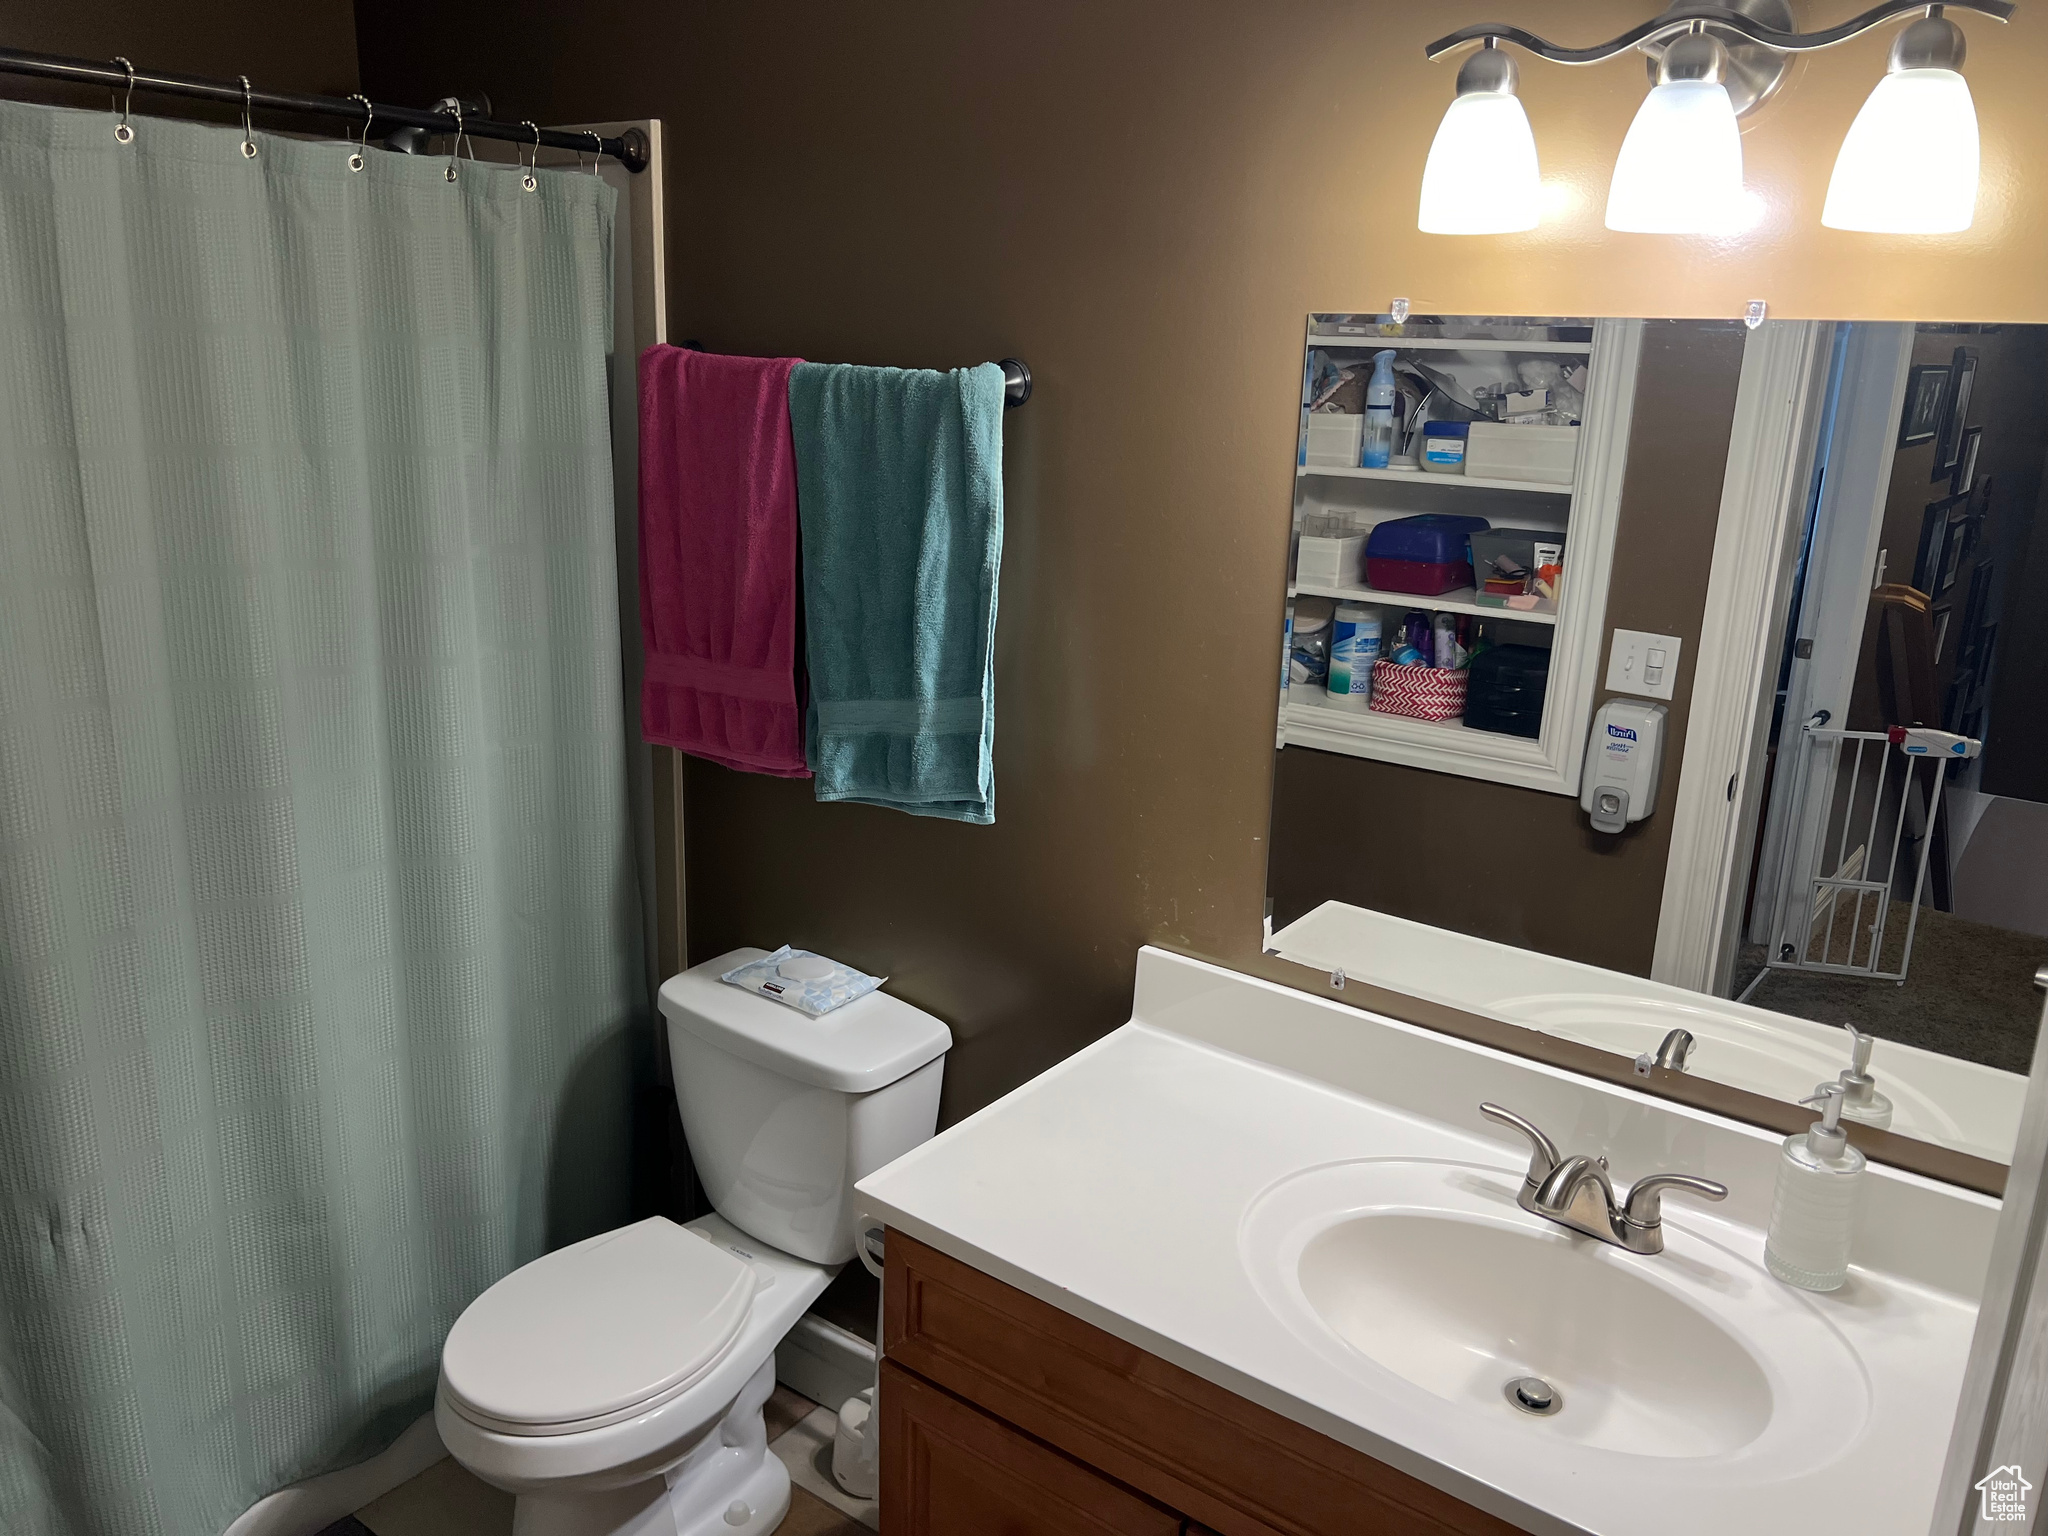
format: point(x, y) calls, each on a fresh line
point(1376, 448)
point(1861, 1102)
point(1813, 1212)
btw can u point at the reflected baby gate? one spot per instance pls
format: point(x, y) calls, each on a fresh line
point(1853, 818)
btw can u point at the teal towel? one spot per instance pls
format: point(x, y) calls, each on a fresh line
point(899, 477)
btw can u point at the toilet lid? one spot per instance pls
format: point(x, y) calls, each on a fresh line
point(597, 1331)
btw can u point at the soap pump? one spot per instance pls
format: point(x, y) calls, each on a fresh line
point(1861, 1102)
point(1813, 1211)
point(1376, 448)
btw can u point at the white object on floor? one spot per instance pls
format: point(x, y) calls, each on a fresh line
point(616, 1386)
point(823, 1361)
point(806, 1450)
point(853, 1446)
point(309, 1507)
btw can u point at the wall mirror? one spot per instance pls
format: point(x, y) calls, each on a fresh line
point(1672, 689)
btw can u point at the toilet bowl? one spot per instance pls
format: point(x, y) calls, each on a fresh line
point(615, 1386)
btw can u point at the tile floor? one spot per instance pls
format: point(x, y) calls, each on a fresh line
point(445, 1500)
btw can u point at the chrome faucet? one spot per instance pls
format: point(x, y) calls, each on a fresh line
point(1576, 1192)
point(1676, 1048)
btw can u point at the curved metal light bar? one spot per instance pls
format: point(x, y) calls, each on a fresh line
point(1719, 16)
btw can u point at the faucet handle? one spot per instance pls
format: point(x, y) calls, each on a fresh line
point(1646, 1196)
point(1543, 1153)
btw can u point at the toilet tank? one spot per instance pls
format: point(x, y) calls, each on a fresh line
point(785, 1113)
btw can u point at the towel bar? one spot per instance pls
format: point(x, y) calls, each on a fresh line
point(1016, 382)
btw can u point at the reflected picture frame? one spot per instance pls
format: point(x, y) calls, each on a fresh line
point(1964, 480)
point(1955, 413)
point(1942, 615)
point(1940, 523)
point(1926, 396)
point(1962, 538)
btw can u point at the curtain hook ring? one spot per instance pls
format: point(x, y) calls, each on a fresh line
point(123, 134)
point(530, 181)
point(248, 133)
point(596, 150)
point(455, 146)
point(356, 160)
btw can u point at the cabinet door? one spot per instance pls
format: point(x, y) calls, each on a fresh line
point(1077, 1392)
point(948, 1469)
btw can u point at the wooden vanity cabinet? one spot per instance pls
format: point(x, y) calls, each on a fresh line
point(1003, 1416)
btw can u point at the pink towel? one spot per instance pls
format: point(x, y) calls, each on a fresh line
point(718, 577)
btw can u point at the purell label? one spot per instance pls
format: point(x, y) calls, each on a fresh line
point(1625, 733)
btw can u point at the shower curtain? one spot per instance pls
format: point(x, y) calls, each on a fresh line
point(319, 955)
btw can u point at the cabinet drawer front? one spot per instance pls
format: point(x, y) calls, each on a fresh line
point(1222, 1460)
point(949, 1469)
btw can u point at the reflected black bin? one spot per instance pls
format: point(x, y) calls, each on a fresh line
point(1505, 690)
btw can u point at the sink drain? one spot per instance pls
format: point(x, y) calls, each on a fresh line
point(1532, 1394)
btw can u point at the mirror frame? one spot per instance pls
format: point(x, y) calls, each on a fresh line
point(1979, 1174)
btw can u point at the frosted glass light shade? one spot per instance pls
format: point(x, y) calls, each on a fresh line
point(1909, 164)
point(1680, 168)
point(1481, 177)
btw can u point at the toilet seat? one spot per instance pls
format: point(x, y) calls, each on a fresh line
point(598, 1332)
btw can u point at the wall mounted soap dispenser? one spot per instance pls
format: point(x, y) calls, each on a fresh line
point(1618, 785)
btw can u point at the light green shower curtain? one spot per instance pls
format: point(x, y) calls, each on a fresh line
point(319, 950)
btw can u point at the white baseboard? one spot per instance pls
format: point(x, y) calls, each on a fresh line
point(311, 1506)
point(823, 1361)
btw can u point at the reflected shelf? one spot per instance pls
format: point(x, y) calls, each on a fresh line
point(1457, 600)
point(1447, 344)
point(1423, 477)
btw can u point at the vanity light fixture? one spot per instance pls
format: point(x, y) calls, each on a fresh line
point(1680, 168)
point(1481, 176)
point(1908, 165)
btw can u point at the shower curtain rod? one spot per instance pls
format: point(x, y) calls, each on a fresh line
point(629, 149)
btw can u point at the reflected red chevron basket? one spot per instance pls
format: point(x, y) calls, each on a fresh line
point(1421, 693)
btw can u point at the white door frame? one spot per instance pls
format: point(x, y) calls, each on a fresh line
point(2002, 1417)
point(1779, 403)
point(1841, 570)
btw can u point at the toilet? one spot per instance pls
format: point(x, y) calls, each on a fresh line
point(616, 1386)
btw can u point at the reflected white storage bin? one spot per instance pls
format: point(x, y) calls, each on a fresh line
point(1495, 450)
point(1334, 441)
point(1330, 562)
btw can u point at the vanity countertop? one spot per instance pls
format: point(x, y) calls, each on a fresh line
point(1126, 1185)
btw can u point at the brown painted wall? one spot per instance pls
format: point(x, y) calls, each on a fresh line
point(300, 45)
point(1519, 865)
point(1142, 199)
point(2009, 400)
point(2016, 737)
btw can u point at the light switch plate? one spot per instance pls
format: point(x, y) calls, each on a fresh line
point(1643, 664)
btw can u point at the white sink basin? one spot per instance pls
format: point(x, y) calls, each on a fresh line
point(1428, 1276)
